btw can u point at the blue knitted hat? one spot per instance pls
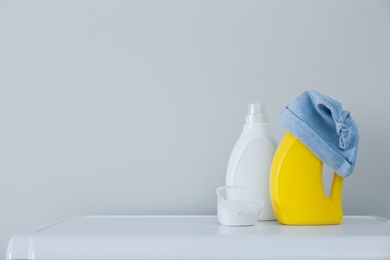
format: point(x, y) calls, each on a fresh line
point(325, 128)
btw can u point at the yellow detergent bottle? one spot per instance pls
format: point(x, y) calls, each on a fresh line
point(296, 188)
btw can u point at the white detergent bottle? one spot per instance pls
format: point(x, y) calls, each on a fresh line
point(250, 161)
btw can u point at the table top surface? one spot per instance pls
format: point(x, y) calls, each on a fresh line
point(206, 226)
point(199, 237)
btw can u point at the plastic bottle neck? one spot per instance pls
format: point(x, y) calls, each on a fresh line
point(256, 119)
point(256, 114)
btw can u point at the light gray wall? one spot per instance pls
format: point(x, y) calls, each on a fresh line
point(133, 107)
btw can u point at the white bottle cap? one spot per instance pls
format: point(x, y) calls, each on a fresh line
point(256, 114)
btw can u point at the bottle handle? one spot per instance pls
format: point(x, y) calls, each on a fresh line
point(336, 190)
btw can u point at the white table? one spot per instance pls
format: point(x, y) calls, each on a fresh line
point(200, 237)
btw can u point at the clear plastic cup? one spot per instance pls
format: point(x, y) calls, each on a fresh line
point(238, 206)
